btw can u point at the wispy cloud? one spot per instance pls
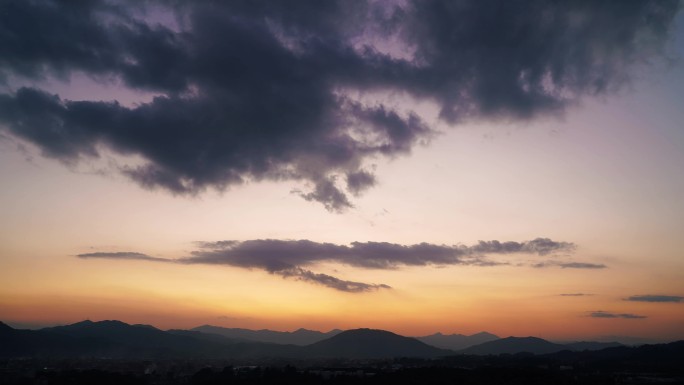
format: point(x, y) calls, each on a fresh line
point(122, 255)
point(581, 265)
point(569, 265)
point(330, 281)
point(575, 294)
point(655, 298)
point(605, 314)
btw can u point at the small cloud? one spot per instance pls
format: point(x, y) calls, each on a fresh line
point(229, 318)
point(655, 298)
point(581, 265)
point(131, 255)
point(539, 246)
point(570, 265)
point(575, 294)
point(605, 314)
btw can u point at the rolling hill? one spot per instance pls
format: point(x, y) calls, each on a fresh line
point(512, 345)
point(116, 339)
point(370, 343)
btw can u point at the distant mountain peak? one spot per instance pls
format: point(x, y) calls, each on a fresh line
point(145, 326)
point(365, 330)
point(111, 322)
point(523, 338)
point(89, 323)
point(84, 322)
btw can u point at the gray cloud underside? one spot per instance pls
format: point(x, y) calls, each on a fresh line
point(255, 90)
point(291, 272)
point(329, 281)
point(605, 314)
point(655, 298)
point(288, 257)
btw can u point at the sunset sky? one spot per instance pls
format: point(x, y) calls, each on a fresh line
point(417, 167)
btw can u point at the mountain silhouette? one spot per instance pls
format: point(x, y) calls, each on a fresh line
point(370, 343)
point(23, 343)
point(116, 339)
point(512, 345)
point(658, 355)
point(298, 337)
point(457, 341)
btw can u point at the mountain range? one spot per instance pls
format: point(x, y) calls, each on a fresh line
point(116, 339)
point(457, 341)
point(298, 337)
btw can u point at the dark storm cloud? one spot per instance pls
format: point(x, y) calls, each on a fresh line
point(260, 90)
point(605, 314)
point(655, 298)
point(122, 255)
point(507, 58)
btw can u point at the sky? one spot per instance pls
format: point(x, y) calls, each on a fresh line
point(419, 167)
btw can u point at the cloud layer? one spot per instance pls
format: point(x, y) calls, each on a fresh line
point(290, 258)
point(258, 90)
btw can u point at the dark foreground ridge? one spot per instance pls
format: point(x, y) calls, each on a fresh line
point(649, 364)
point(113, 352)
